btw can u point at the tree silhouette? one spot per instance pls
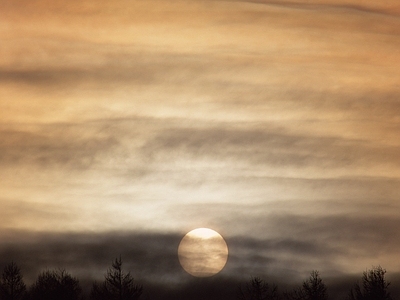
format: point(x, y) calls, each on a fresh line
point(117, 285)
point(258, 289)
point(12, 286)
point(312, 289)
point(374, 286)
point(51, 285)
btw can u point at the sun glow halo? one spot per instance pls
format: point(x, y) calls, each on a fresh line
point(203, 233)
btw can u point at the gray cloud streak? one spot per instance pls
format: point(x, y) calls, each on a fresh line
point(269, 147)
point(53, 145)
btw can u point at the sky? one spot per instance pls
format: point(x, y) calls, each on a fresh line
point(125, 124)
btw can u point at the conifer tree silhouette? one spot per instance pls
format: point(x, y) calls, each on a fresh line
point(374, 286)
point(258, 289)
point(55, 285)
point(12, 286)
point(312, 289)
point(117, 285)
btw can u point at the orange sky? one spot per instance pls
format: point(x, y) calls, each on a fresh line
point(164, 116)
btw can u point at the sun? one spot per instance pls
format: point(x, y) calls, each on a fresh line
point(203, 252)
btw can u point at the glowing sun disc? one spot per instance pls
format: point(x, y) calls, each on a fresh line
point(203, 252)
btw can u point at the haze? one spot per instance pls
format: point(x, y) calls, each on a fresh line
point(276, 123)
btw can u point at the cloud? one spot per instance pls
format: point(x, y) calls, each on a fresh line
point(55, 145)
point(334, 244)
point(268, 147)
point(363, 6)
point(277, 123)
point(146, 255)
point(152, 260)
point(15, 212)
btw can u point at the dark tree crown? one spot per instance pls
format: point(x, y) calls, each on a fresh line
point(12, 286)
point(117, 285)
point(51, 285)
point(374, 286)
point(258, 289)
point(312, 289)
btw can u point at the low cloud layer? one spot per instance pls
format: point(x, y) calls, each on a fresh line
point(153, 262)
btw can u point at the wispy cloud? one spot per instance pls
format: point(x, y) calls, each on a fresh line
point(53, 146)
point(131, 122)
point(271, 148)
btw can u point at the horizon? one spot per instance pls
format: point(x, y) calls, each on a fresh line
point(88, 257)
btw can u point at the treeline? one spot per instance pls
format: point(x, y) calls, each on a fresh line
point(373, 286)
point(60, 285)
point(118, 285)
